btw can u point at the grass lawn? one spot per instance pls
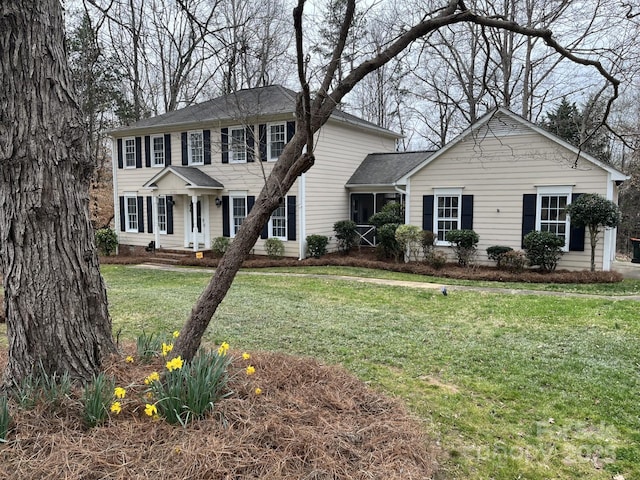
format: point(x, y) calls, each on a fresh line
point(512, 386)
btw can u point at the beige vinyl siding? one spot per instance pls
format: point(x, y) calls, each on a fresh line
point(497, 172)
point(340, 149)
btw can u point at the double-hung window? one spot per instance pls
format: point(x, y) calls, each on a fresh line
point(238, 146)
point(447, 212)
point(552, 211)
point(130, 152)
point(131, 212)
point(277, 135)
point(195, 148)
point(162, 215)
point(238, 207)
point(278, 223)
point(157, 151)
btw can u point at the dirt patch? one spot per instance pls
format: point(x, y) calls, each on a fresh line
point(312, 421)
point(435, 382)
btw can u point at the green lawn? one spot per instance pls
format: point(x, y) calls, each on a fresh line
point(513, 386)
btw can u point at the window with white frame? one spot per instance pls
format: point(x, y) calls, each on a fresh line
point(276, 140)
point(238, 207)
point(131, 212)
point(157, 151)
point(238, 147)
point(447, 212)
point(278, 223)
point(552, 211)
point(130, 152)
point(162, 215)
point(196, 148)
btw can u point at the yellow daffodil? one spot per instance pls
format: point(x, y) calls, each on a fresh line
point(166, 348)
point(251, 370)
point(222, 350)
point(150, 410)
point(129, 359)
point(119, 392)
point(153, 377)
point(176, 334)
point(116, 408)
point(246, 356)
point(174, 364)
point(258, 391)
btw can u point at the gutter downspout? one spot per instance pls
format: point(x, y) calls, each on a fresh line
point(609, 247)
point(302, 215)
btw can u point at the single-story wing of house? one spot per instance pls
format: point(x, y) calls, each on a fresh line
point(186, 177)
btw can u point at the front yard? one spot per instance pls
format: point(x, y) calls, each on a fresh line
point(511, 386)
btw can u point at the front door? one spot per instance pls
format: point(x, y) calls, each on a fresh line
point(200, 225)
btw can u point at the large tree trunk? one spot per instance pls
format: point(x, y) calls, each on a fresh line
point(55, 298)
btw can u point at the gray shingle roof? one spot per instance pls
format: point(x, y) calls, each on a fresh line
point(240, 106)
point(194, 176)
point(386, 168)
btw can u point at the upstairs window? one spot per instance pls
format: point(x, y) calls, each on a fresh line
point(276, 140)
point(195, 148)
point(157, 151)
point(130, 152)
point(238, 147)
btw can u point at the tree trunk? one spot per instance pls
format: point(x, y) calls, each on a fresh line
point(55, 298)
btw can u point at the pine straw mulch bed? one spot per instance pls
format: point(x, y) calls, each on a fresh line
point(365, 258)
point(312, 421)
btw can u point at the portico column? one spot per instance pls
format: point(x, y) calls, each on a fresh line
point(194, 222)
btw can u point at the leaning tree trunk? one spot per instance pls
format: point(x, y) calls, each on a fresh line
point(55, 298)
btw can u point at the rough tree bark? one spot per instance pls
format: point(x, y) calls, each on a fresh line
point(310, 116)
point(55, 298)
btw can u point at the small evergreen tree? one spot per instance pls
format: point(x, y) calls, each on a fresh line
point(594, 212)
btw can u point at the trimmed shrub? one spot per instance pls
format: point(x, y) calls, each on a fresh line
point(317, 245)
point(428, 241)
point(409, 238)
point(274, 248)
point(391, 213)
point(346, 235)
point(220, 245)
point(464, 244)
point(496, 252)
point(543, 249)
point(106, 241)
point(513, 261)
point(387, 245)
point(436, 259)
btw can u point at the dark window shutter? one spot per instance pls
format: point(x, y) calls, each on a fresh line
point(169, 203)
point(150, 214)
point(185, 154)
point(140, 214)
point(427, 212)
point(226, 226)
point(167, 149)
point(291, 217)
point(262, 139)
point(123, 220)
point(138, 152)
point(147, 150)
point(467, 213)
point(249, 135)
point(251, 200)
point(224, 143)
point(206, 138)
point(576, 234)
point(265, 231)
point(120, 161)
point(529, 201)
point(291, 130)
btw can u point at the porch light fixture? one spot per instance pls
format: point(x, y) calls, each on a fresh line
point(170, 202)
point(218, 202)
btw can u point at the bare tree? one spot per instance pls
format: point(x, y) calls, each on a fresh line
point(55, 299)
point(314, 112)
